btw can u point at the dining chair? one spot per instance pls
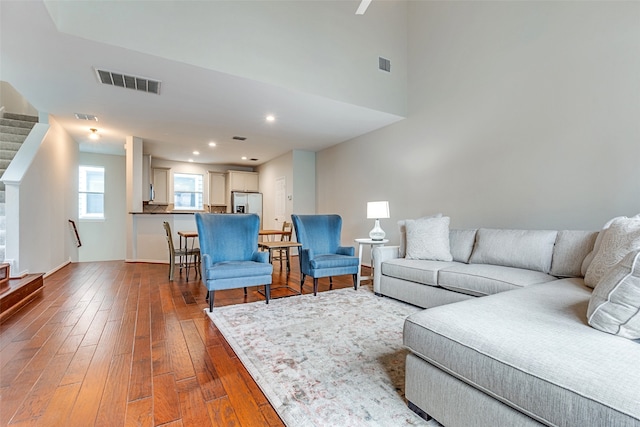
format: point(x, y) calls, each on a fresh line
point(229, 253)
point(281, 254)
point(180, 253)
point(321, 254)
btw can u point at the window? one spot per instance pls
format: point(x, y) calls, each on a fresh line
point(91, 192)
point(187, 191)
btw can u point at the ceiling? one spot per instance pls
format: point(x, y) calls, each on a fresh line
point(50, 52)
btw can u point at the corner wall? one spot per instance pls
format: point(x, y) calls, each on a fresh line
point(521, 115)
point(48, 199)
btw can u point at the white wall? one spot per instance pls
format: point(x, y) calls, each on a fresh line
point(48, 199)
point(268, 174)
point(521, 114)
point(98, 236)
point(13, 102)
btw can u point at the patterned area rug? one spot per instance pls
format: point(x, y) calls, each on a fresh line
point(332, 360)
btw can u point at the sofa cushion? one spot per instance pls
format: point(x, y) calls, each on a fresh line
point(618, 240)
point(461, 244)
point(414, 270)
point(428, 239)
point(570, 250)
point(614, 306)
point(530, 249)
point(487, 279)
point(403, 232)
point(532, 349)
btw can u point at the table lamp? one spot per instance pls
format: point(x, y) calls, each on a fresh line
point(377, 210)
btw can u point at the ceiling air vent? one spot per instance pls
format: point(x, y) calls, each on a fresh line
point(384, 64)
point(82, 116)
point(240, 138)
point(115, 78)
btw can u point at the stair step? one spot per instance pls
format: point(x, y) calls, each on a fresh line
point(10, 145)
point(16, 123)
point(12, 137)
point(7, 154)
point(23, 117)
point(14, 130)
point(4, 163)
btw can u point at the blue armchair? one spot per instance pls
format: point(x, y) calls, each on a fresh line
point(321, 254)
point(229, 253)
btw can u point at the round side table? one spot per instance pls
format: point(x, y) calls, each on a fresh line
point(371, 243)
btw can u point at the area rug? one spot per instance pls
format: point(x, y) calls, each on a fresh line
point(335, 359)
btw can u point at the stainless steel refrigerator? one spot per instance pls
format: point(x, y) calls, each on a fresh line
point(246, 203)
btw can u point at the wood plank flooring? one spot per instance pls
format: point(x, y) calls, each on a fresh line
point(117, 344)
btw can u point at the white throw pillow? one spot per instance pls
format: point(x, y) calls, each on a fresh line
point(622, 237)
point(428, 239)
point(403, 233)
point(596, 246)
point(614, 306)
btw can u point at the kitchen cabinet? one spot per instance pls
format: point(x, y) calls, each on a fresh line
point(161, 187)
point(242, 181)
point(217, 189)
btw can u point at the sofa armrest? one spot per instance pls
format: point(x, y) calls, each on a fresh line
point(381, 254)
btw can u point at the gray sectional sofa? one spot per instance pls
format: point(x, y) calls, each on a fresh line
point(521, 355)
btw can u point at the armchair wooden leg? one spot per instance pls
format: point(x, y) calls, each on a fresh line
point(304, 276)
point(315, 286)
point(267, 292)
point(330, 282)
point(245, 291)
point(355, 282)
point(211, 293)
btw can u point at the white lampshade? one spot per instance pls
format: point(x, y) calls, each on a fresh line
point(376, 210)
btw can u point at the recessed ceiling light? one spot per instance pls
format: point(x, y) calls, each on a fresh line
point(271, 118)
point(191, 160)
point(196, 153)
point(212, 144)
point(244, 157)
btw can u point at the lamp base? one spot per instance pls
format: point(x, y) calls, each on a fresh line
point(377, 233)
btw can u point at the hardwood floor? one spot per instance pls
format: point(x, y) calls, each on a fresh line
point(117, 344)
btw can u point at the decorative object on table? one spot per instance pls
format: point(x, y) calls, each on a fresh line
point(377, 211)
point(345, 371)
point(321, 254)
point(229, 253)
point(180, 253)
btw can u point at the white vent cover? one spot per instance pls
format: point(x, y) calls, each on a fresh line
point(115, 78)
point(82, 116)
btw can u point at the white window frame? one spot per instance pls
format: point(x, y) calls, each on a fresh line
point(198, 198)
point(83, 192)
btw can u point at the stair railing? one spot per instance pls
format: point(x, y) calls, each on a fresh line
point(75, 232)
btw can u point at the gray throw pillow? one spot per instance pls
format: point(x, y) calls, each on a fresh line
point(428, 239)
point(614, 306)
point(622, 237)
point(403, 233)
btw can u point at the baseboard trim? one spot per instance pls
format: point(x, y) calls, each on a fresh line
point(50, 272)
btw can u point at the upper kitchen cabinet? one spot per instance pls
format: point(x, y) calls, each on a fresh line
point(161, 178)
point(217, 189)
point(242, 181)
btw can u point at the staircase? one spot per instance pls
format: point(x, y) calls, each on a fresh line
point(14, 129)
